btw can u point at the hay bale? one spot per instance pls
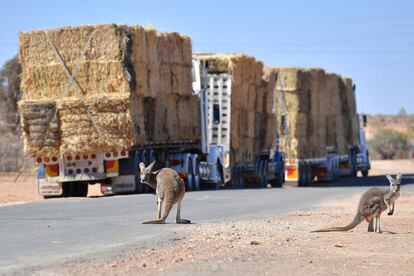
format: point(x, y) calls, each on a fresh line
point(320, 109)
point(40, 130)
point(246, 101)
point(92, 126)
point(102, 68)
point(124, 72)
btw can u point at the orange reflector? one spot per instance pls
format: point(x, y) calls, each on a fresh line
point(111, 166)
point(292, 172)
point(52, 170)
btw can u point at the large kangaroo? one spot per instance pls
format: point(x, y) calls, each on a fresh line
point(372, 203)
point(170, 189)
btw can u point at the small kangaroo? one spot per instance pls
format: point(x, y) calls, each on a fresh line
point(170, 189)
point(372, 203)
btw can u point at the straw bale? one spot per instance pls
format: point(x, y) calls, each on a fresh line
point(188, 121)
point(35, 50)
point(95, 117)
point(270, 131)
point(246, 101)
point(181, 79)
point(220, 63)
point(124, 77)
point(320, 108)
point(161, 131)
point(40, 130)
point(137, 108)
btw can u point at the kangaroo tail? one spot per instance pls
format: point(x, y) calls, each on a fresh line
point(357, 220)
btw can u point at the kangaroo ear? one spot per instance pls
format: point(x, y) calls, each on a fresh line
point(399, 176)
point(389, 177)
point(141, 165)
point(151, 165)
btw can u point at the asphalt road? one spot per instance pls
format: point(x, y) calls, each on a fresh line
point(39, 234)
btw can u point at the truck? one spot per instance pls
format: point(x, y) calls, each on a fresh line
point(208, 163)
point(217, 93)
point(328, 163)
point(363, 162)
point(84, 129)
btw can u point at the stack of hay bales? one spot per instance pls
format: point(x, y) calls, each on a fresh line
point(134, 82)
point(321, 112)
point(271, 122)
point(247, 105)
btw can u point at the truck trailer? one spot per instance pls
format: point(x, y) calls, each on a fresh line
point(97, 100)
point(320, 132)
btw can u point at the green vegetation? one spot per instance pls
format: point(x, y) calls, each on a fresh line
point(388, 144)
point(11, 153)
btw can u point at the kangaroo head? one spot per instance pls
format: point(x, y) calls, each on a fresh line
point(145, 171)
point(394, 182)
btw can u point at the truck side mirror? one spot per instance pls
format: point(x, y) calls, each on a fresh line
point(364, 120)
point(283, 125)
point(216, 114)
point(195, 72)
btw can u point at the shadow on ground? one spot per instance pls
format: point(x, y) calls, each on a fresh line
point(378, 180)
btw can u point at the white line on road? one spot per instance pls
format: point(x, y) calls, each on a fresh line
point(204, 197)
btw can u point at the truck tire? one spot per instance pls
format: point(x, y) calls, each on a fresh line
point(81, 189)
point(304, 175)
point(308, 174)
point(301, 178)
point(197, 178)
point(69, 189)
point(263, 174)
point(190, 177)
point(364, 173)
point(278, 182)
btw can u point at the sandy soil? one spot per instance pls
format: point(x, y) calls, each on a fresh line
point(279, 244)
point(382, 167)
point(274, 245)
point(20, 188)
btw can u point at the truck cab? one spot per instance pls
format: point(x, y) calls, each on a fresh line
point(214, 91)
point(362, 158)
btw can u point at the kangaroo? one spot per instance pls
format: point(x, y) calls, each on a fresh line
point(170, 189)
point(372, 203)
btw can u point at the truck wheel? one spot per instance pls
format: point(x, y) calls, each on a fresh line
point(197, 178)
point(364, 173)
point(301, 179)
point(234, 183)
point(308, 175)
point(354, 173)
point(81, 189)
point(190, 177)
point(304, 175)
point(68, 189)
point(278, 182)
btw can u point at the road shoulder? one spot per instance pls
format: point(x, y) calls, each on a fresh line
point(272, 245)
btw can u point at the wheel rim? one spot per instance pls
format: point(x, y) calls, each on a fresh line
point(197, 175)
point(190, 176)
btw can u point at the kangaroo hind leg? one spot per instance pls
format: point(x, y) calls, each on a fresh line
point(371, 225)
point(158, 220)
point(178, 218)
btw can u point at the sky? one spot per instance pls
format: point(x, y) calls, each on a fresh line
point(370, 41)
